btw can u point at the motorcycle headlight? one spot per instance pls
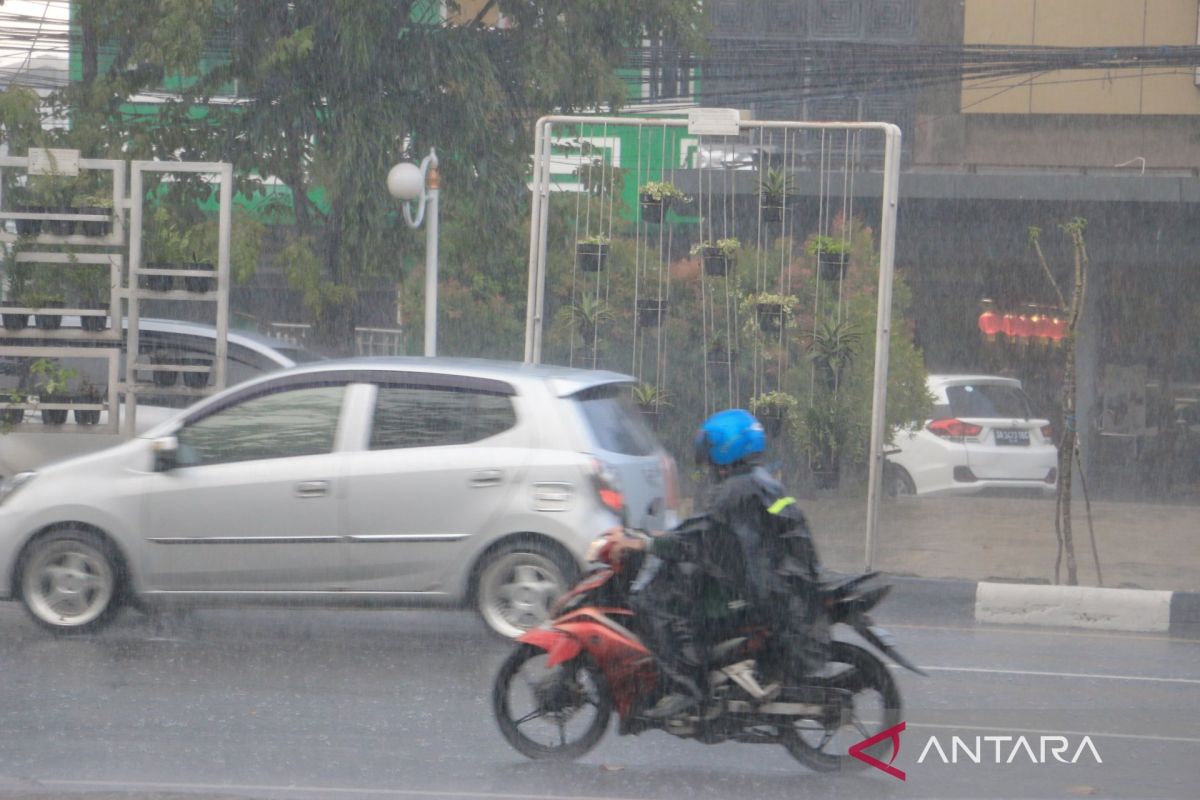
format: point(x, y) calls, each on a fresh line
point(9, 486)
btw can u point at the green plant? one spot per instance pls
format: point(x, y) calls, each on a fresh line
point(51, 378)
point(833, 347)
point(659, 191)
point(649, 396)
point(774, 404)
point(597, 238)
point(776, 185)
point(728, 247)
point(92, 283)
point(826, 244)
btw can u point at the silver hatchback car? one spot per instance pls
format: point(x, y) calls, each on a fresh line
point(386, 481)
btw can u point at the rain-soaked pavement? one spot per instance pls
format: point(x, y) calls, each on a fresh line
point(346, 704)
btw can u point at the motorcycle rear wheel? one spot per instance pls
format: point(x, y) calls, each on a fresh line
point(873, 705)
point(557, 713)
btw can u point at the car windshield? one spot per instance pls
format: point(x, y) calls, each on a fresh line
point(614, 422)
point(988, 401)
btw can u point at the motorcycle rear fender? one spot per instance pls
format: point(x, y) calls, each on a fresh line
point(559, 645)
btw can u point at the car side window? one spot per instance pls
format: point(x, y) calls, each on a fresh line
point(293, 422)
point(413, 416)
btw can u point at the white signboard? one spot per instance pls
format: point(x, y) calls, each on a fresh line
point(53, 162)
point(714, 121)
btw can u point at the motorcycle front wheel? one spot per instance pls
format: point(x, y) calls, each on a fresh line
point(558, 712)
point(867, 702)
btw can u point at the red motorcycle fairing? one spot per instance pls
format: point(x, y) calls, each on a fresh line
point(627, 665)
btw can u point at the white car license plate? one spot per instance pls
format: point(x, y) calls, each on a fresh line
point(1005, 436)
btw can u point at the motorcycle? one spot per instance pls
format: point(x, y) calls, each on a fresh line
point(555, 693)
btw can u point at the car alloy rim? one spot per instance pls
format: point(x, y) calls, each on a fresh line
point(516, 591)
point(68, 583)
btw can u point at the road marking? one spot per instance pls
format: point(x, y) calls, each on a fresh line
point(1056, 632)
point(1025, 731)
point(1041, 674)
point(325, 791)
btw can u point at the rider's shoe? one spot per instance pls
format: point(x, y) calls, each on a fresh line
point(672, 705)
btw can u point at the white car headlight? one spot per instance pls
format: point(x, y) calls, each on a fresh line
point(10, 486)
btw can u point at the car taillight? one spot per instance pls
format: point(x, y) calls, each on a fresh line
point(605, 483)
point(671, 479)
point(1048, 433)
point(953, 428)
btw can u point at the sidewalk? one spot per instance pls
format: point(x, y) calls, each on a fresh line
point(1141, 546)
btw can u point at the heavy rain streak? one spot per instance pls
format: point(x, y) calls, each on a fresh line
point(532, 398)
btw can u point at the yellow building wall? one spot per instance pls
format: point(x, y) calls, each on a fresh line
point(1083, 23)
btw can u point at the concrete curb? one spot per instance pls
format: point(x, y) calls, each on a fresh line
point(946, 601)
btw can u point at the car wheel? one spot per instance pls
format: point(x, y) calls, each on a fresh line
point(897, 482)
point(518, 583)
point(70, 580)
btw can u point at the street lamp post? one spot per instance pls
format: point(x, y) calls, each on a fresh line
point(406, 181)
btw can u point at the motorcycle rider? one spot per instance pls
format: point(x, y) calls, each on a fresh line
point(728, 567)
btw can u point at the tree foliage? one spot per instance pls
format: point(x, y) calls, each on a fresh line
point(332, 93)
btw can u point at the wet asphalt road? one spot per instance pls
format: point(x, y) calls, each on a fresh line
point(347, 704)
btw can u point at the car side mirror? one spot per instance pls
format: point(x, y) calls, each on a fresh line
point(166, 453)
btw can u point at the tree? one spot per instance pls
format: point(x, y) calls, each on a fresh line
point(1068, 444)
point(331, 93)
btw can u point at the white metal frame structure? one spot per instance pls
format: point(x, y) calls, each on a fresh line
point(219, 295)
point(726, 122)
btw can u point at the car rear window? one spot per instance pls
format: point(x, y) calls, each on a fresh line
point(615, 423)
point(988, 400)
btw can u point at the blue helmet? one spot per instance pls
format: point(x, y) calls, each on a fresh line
point(728, 437)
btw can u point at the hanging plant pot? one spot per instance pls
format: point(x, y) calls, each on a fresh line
point(772, 213)
point(12, 416)
point(770, 316)
point(650, 311)
point(29, 227)
point(60, 227)
point(591, 256)
point(654, 210)
point(159, 283)
point(715, 261)
point(772, 420)
point(55, 416)
point(96, 227)
point(87, 416)
point(652, 416)
point(48, 320)
point(165, 377)
point(720, 354)
point(832, 266)
point(196, 380)
point(94, 322)
point(199, 283)
point(14, 321)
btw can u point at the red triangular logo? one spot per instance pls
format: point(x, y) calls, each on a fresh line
point(892, 733)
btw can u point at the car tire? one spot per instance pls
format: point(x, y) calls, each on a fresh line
point(898, 483)
point(70, 580)
point(517, 583)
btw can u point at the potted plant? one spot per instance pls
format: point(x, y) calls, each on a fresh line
point(831, 255)
point(717, 255)
point(12, 416)
point(832, 348)
point(591, 253)
point(773, 409)
point(93, 289)
point(773, 192)
point(651, 401)
point(88, 394)
point(50, 380)
point(17, 280)
point(771, 311)
point(45, 294)
point(718, 350)
point(656, 198)
point(95, 203)
point(650, 310)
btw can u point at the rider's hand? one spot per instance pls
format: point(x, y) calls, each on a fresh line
point(622, 544)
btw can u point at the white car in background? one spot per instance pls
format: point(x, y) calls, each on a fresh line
point(248, 355)
point(983, 437)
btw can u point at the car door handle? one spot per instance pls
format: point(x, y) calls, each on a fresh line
point(312, 489)
point(485, 478)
